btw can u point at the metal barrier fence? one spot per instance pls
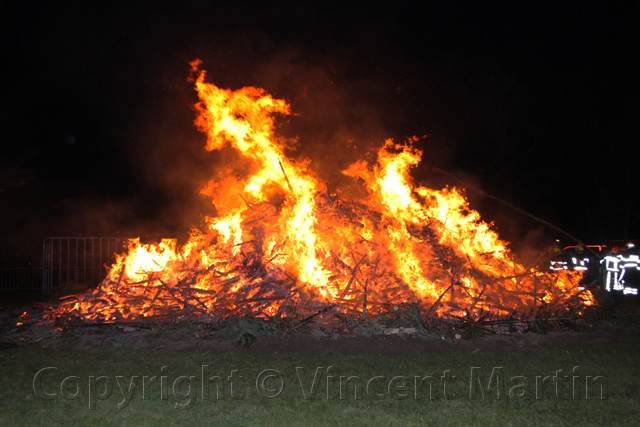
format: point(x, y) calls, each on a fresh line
point(77, 260)
point(21, 279)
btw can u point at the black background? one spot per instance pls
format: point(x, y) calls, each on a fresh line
point(536, 103)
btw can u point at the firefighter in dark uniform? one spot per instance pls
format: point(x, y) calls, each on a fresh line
point(559, 259)
point(632, 273)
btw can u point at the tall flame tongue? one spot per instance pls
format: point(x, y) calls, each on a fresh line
point(281, 244)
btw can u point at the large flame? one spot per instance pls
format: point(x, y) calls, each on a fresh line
point(279, 240)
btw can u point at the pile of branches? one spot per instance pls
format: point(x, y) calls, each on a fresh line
point(253, 285)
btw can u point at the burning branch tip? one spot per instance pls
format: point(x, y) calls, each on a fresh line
point(249, 205)
point(285, 176)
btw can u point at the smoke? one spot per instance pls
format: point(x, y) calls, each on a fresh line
point(341, 114)
point(336, 121)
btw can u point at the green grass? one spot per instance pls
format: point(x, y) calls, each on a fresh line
point(171, 400)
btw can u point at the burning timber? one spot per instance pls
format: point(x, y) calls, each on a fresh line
point(282, 246)
point(249, 283)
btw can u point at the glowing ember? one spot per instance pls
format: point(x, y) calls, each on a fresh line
point(281, 244)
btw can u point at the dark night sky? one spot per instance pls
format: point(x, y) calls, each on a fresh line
point(537, 103)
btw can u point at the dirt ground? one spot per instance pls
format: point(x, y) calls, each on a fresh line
point(177, 338)
point(30, 329)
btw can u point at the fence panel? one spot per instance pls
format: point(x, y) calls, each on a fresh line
point(20, 279)
point(78, 260)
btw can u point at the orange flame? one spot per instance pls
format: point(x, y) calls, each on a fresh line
point(280, 240)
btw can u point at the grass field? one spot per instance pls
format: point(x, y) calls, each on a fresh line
point(593, 385)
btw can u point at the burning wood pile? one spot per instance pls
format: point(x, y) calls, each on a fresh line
point(282, 245)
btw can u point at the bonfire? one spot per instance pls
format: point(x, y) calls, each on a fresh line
point(283, 245)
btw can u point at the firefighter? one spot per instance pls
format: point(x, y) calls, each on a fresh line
point(572, 257)
point(630, 248)
point(559, 259)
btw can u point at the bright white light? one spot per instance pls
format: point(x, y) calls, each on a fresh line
point(616, 267)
